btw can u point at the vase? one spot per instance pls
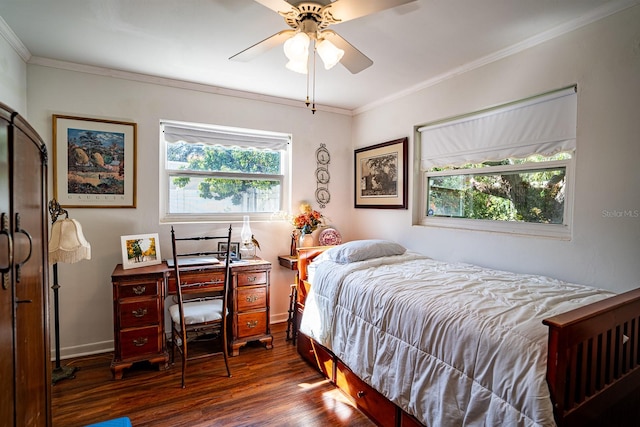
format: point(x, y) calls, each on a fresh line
point(306, 240)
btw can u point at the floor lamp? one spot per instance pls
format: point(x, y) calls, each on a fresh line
point(68, 245)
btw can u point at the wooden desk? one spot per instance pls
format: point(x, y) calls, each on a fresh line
point(138, 309)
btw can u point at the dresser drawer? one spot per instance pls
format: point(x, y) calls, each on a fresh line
point(251, 324)
point(249, 278)
point(146, 289)
point(371, 402)
point(136, 342)
point(252, 298)
point(139, 313)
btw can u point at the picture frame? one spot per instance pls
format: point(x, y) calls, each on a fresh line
point(94, 162)
point(140, 250)
point(235, 249)
point(381, 175)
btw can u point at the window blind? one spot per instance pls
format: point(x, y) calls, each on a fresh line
point(544, 124)
point(226, 136)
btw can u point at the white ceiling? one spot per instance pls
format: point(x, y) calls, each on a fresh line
point(191, 40)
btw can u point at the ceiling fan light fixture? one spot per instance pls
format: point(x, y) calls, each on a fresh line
point(296, 48)
point(329, 53)
point(299, 66)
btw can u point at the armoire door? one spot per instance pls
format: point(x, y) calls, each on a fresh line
point(7, 385)
point(25, 374)
point(33, 385)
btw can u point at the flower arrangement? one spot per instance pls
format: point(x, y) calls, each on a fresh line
point(307, 220)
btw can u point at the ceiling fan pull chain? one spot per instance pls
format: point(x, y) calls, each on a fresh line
point(313, 94)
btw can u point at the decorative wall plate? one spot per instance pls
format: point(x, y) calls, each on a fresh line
point(329, 236)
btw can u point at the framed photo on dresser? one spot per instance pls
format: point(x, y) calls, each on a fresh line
point(94, 162)
point(140, 250)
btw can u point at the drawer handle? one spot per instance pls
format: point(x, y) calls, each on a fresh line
point(139, 290)
point(141, 312)
point(252, 298)
point(252, 324)
point(140, 342)
point(360, 394)
point(251, 278)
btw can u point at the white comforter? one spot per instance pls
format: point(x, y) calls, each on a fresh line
point(452, 344)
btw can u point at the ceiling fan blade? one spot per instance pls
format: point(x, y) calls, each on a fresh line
point(346, 10)
point(263, 46)
point(276, 5)
point(353, 60)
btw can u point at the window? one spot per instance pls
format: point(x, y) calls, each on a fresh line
point(506, 169)
point(221, 173)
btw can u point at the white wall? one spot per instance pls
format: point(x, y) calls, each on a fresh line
point(603, 58)
point(13, 78)
point(86, 294)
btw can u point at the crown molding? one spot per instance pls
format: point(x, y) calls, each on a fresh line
point(589, 18)
point(180, 84)
point(7, 33)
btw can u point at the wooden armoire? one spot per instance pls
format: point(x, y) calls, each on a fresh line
point(25, 363)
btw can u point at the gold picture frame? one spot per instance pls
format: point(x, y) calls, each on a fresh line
point(381, 175)
point(94, 162)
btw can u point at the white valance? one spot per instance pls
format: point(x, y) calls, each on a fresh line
point(544, 125)
point(225, 136)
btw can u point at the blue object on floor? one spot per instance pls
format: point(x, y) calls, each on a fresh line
point(117, 422)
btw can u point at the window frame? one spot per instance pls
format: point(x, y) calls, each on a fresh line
point(556, 231)
point(166, 174)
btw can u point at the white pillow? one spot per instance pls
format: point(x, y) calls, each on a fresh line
point(360, 250)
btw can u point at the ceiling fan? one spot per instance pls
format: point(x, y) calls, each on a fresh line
point(309, 21)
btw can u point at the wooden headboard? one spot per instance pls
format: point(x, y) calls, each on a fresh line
point(305, 256)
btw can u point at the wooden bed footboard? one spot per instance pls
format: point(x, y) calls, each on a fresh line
point(593, 364)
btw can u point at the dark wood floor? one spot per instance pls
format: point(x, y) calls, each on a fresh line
point(268, 388)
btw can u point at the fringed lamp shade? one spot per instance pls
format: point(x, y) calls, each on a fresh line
point(67, 243)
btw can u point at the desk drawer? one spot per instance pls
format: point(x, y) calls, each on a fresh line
point(250, 278)
point(146, 289)
point(139, 313)
point(135, 342)
point(252, 324)
point(209, 279)
point(252, 298)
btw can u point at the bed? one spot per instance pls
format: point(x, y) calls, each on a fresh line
point(416, 341)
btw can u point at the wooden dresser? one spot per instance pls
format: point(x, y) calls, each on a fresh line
point(138, 317)
point(250, 305)
point(139, 309)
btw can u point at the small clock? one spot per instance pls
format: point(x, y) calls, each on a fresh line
point(322, 175)
point(322, 155)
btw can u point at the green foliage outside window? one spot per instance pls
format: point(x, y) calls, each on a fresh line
point(534, 195)
point(224, 160)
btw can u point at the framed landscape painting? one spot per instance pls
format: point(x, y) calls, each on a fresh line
point(381, 175)
point(94, 162)
point(140, 250)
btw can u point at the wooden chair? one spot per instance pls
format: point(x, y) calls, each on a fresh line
point(199, 313)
